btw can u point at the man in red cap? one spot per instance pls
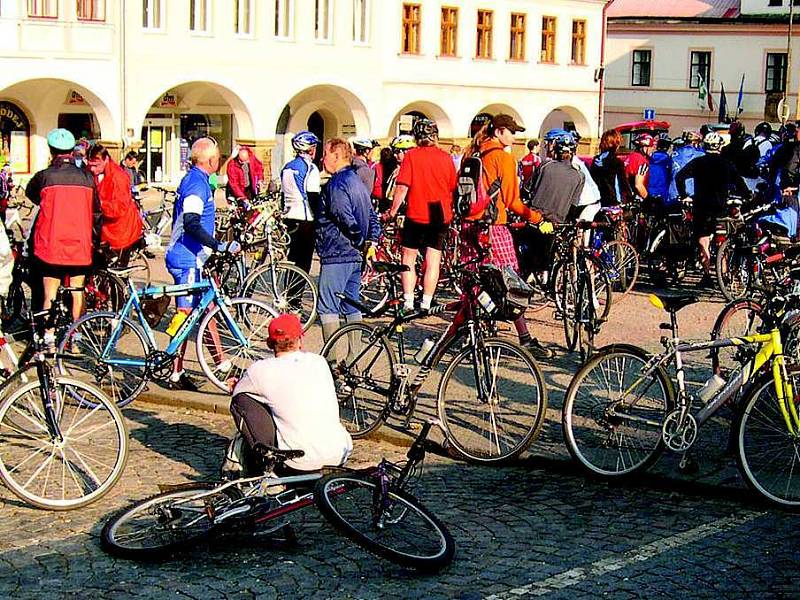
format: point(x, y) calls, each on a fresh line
point(289, 402)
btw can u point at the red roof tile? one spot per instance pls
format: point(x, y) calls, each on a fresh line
point(675, 9)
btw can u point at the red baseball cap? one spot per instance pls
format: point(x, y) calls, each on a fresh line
point(285, 327)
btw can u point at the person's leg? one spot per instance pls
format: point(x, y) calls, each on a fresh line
point(351, 313)
point(328, 303)
point(704, 242)
point(254, 420)
point(183, 305)
point(77, 281)
point(409, 278)
point(306, 253)
point(430, 279)
point(50, 287)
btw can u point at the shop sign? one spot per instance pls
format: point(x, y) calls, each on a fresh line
point(13, 114)
point(18, 151)
point(75, 99)
point(168, 100)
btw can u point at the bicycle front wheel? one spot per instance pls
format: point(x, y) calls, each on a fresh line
point(768, 455)
point(225, 349)
point(164, 523)
point(621, 262)
point(492, 401)
point(734, 271)
point(362, 366)
point(286, 288)
point(73, 468)
point(391, 524)
point(613, 412)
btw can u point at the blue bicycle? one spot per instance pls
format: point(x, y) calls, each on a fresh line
point(120, 352)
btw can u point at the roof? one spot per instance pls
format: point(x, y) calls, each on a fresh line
point(674, 9)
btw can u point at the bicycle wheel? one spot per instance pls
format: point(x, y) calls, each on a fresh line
point(104, 292)
point(286, 288)
point(733, 270)
point(737, 319)
point(157, 526)
point(226, 349)
point(613, 413)
point(84, 343)
point(374, 288)
point(768, 455)
point(139, 259)
point(68, 473)
point(495, 416)
point(362, 366)
point(585, 317)
point(621, 263)
point(391, 524)
point(568, 305)
point(603, 293)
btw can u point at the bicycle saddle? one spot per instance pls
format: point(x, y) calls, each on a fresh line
point(673, 301)
point(385, 267)
point(277, 454)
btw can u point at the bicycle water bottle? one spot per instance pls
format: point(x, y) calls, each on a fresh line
point(486, 302)
point(175, 323)
point(710, 388)
point(424, 350)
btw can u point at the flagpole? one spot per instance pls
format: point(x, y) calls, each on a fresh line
point(789, 63)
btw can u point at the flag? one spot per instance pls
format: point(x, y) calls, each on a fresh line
point(703, 97)
point(723, 104)
point(740, 100)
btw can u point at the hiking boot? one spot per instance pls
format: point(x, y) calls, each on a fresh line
point(184, 383)
point(538, 351)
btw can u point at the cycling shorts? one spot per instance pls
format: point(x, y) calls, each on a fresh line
point(181, 276)
point(418, 236)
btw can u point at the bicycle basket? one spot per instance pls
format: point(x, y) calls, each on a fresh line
point(509, 293)
point(154, 310)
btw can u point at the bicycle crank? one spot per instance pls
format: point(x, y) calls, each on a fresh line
point(679, 437)
point(158, 365)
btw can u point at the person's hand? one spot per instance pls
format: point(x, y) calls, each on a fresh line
point(233, 247)
point(387, 217)
point(231, 383)
point(546, 227)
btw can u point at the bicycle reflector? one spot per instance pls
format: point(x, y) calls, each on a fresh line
point(656, 301)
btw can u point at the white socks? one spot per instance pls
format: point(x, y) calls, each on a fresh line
point(426, 302)
point(408, 301)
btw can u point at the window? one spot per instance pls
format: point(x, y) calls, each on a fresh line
point(483, 46)
point(640, 75)
point(411, 26)
point(700, 66)
point(776, 72)
point(284, 16)
point(151, 14)
point(91, 10)
point(449, 42)
point(360, 21)
point(579, 42)
point(198, 15)
point(548, 54)
point(43, 8)
point(323, 20)
point(243, 15)
point(516, 49)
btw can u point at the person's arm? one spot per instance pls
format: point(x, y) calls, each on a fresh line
point(97, 217)
point(509, 189)
point(687, 172)
point(639, 181)
point(192, 226)
point(120, 200)
point(342, 213)
point(398, 198)
point(33, 191)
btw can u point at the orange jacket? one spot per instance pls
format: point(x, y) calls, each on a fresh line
point(122, 223)
point(501, 164)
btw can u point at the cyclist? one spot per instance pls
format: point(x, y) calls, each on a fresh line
point(714, 178)
point(529, 162)
point(6, 189)
point(588, 203)
point(245, 175)
point(558, 184)
point(637, 167)
point(300, 182)
point(361, 161)
point(682, 156)
point(390, 167)
point(425, 183)
point(192, 242)
point(660, 170)
point(608, 171)
point(754, 150)
point(289, 402)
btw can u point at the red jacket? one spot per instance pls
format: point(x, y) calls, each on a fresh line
point(122, 223)
point(237, 183)
point(69, 213)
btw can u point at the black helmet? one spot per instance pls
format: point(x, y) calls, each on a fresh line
point(763, 128)
point(425, 130)
point(478, 121)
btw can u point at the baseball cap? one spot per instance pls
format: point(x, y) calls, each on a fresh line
point(507, 121)
point(61, 139)
point(285, 327)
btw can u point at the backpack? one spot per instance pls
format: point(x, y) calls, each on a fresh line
point(472, 195)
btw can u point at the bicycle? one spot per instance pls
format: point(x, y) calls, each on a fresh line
point(374, 385)
point(373, 507)
point(63, 443)
point(122, 354)
point(156, 221)
point(621, 409)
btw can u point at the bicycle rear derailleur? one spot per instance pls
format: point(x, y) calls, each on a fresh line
point(158, 365)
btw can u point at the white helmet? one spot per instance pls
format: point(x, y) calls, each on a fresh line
point(713, 141)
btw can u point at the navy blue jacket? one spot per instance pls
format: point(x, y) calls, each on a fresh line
point(345, 220)
point(660, 175)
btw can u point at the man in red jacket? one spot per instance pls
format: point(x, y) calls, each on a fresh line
point(245, 172)
point(68, 222)
point(122, 223)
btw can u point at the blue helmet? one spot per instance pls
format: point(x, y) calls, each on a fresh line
point(563, 142)
point(558, 132)
point(304, 141)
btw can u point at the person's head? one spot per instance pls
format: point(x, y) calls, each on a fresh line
point(503, 128)
point(426, 132)
point(789, 132)
point(693, 138)
point(306, 143)
point(550, 137)
point(98, 159)
point(663, 144)
point(244, 154)
point(337, 154)
point(645, 143)
point(285, 334)
point(131, 159)
point(456, 150)
point(712, 142)
point(563, 146)
point(479, 121)
point(763, 129)
point(60, 141)
point(610, 141)
point(736, 130)
point(533, 145)
point(205, 155)
point(363, 146)
point(402, 144)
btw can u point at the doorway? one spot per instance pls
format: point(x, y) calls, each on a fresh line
point(161, 150)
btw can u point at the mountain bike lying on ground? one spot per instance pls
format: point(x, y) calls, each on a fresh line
point(373, 507)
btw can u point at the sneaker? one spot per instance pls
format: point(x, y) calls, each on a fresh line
point(184, 382)
point(233, 463)
point(539, 351)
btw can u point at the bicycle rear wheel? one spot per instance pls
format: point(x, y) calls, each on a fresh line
point(737, 319)
point(286, 288)
point(622, 261)
point(613, 412)
point(157, 526)
point(492, 401)
point(734, 271)
point(391, 524)
point(68, 473)
point(362, 370)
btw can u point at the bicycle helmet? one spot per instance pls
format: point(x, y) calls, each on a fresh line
point(712, 142)
point(678, 142)
point(563, 143)
point(363, 144)
point(763, 129)
point(304, 141)
point(644, 140)
point(478, 121)
point(690, 135)
point(403, 142)
point(553, 134)
point(425, 130)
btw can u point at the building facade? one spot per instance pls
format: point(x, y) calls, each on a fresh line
point(659, 55)
point(154, 75)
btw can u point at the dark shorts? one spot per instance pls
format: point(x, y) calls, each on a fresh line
point(704, 224)
point(60, 272)
point(419, 236)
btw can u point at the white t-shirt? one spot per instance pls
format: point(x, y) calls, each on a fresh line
point(299, 391)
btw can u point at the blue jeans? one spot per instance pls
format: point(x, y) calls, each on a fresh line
point(344, 278)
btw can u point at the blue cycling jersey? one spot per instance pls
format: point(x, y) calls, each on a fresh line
point(194, 195)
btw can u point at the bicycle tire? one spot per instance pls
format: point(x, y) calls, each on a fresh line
point(112, 541)
point(292, 290)
point(80, 471)
point(568, 305)
point(360, 416)
point(240, 356)
point(374, 288)
point(602, 288)
point(463, 427)
point(332, 494)
point(85, 341)
point(104, 292)
point(626, 265)
point(607, 426)
point(727, 325)
point(729, 266)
